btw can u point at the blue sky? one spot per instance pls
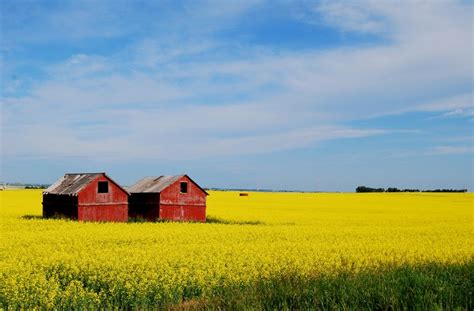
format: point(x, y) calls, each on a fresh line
point(308, 95)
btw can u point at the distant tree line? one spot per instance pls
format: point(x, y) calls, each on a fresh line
point(36, 186)
point(23, 185)
point(257, 190)
point(393, 189)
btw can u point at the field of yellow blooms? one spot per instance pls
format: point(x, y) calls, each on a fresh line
point(264, 251)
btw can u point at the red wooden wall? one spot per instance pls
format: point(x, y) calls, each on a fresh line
point(94, 206)
point(190, 206)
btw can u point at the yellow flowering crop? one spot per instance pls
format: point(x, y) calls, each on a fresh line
point(61, 263)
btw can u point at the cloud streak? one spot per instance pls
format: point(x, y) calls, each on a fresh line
point(191, 94)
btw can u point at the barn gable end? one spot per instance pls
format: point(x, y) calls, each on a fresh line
point(86, 196)
point(169, 197)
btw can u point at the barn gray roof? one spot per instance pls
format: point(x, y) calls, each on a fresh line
point(72, 183)
point(156, 184)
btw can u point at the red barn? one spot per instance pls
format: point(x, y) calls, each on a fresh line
point(86, 196)
point(168, 197)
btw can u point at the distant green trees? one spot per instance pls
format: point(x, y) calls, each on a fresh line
point(369, 189)
point(36, 186)
point(393, 189)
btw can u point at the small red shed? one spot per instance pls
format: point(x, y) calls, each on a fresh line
point(168, 197)
point(86, 196)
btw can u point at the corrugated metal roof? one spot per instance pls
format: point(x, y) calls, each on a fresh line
point(153, 184)
point(72, 183)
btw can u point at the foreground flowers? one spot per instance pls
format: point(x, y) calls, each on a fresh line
point(253, 244)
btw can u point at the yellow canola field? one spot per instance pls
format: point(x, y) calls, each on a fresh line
point(256, 237)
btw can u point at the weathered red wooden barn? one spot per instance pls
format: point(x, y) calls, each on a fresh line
point(168, 197)
point(86, 196)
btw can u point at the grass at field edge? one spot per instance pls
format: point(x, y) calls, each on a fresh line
point(423, 287)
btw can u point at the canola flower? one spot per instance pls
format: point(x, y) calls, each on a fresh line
point(49, 264)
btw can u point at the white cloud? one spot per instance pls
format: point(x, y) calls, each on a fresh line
point(453, 150)
point(145, 101)
point(152, 52)
point(350, 16)
point(460, 105)
point(163, 142)
point(460, 113)
point(80, 65)
point(460, 102)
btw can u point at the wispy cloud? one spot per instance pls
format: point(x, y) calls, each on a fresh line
point(453, 150)
point(108, 142)
point(180, 89)
point(349, 16)
point(461, 102)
